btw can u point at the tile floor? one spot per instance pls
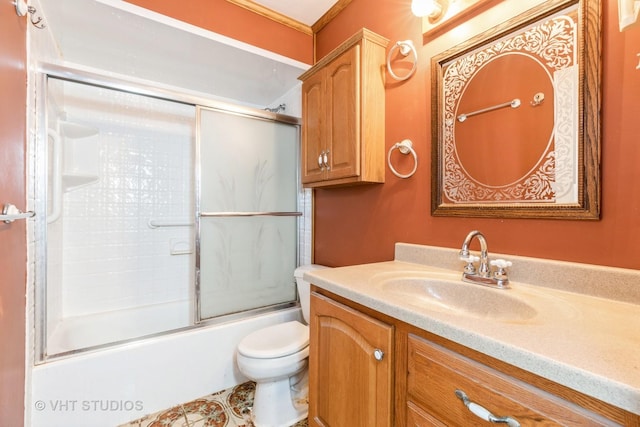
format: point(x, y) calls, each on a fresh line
point(226, 408)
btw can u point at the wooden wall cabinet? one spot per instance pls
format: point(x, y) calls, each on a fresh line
point(417, 386)
point(350, 367)
point(343, 114)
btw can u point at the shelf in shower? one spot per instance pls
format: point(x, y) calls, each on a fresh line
point(72, 182)
point(76, 130)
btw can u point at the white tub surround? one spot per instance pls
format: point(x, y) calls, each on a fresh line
point(582, 333)
point(124, 382)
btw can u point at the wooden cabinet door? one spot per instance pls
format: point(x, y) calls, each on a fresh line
point(314, 129)
point(348, 385)
point(343, 114)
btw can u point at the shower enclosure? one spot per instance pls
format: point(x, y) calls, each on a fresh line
point(163, 212)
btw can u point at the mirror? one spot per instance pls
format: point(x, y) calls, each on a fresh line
point(516, 118)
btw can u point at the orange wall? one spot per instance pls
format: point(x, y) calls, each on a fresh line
point(13, 250)
point(361, 224)
point(235, 22)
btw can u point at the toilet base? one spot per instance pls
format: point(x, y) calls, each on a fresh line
point(281, 403)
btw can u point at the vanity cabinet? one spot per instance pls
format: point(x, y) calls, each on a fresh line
point(343, 115)
point(350, 367)
point(427, 373)
point(438, 378)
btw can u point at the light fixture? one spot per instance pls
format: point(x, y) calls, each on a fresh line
point(432, 9)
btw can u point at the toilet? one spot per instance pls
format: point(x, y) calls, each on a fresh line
point(276, 358)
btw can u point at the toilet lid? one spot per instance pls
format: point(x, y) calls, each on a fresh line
point(275, 341)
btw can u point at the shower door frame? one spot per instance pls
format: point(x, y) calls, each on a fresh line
point(40, 184)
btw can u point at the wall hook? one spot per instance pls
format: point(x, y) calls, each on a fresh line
point(537, 99)
point(22, 8)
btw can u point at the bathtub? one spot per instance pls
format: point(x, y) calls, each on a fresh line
point(82, 332)
point(114, 385)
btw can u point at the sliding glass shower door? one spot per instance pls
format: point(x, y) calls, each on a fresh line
point(246, 212)
point(142, 194)
point(116, 175)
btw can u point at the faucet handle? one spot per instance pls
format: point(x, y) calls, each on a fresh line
point(469, 258)
point(501, 273)
point(500, 263)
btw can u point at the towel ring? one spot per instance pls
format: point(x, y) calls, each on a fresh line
point(406, 47)
point(405, 147)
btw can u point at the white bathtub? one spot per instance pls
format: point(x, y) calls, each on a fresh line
point(81, 332)
point(119, 384)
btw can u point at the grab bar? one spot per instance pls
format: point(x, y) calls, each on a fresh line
point(223, 214)
point(158, 223)
point(56, 177)
point(10, 213)
point(515, 103)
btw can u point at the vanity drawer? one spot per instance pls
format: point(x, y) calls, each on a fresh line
point(435, 373)
point(416, 417)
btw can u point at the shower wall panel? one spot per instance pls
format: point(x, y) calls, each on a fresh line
point(137, 168)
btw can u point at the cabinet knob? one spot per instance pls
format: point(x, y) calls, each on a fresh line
point(325, 160)
point(378, 354)
point(320, 163)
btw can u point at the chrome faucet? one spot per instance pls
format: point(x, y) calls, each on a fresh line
point(483, 274)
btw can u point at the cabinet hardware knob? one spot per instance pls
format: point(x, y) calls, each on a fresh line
point(326, 160)
point(320, 164)
point(378, 354)
point(483, 413)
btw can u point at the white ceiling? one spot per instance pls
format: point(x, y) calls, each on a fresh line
point(117, 37)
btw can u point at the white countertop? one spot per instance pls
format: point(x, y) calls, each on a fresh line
point(587, 341)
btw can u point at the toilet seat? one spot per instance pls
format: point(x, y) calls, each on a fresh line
point(275, 341)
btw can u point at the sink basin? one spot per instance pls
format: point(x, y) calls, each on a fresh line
point(446, 294)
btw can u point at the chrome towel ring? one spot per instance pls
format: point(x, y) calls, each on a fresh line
point(405, 147)
point(406, 47)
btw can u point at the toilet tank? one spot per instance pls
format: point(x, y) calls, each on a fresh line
point(304, 287)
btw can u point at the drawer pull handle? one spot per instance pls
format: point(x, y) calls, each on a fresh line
point(481, 412)
point(378, 354)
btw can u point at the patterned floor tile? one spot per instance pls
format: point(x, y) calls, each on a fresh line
point(226, 408)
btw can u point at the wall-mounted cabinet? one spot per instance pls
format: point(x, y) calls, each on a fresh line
point(343, 114)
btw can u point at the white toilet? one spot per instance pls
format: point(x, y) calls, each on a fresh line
point(275, 358)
